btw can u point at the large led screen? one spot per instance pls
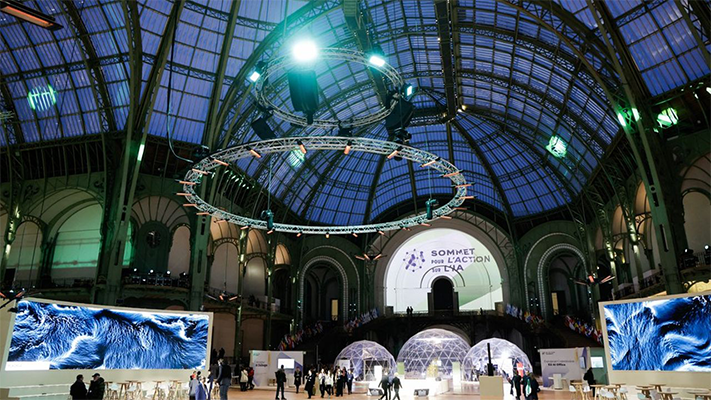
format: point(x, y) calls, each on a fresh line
point(443, 253)
point(54, 336)
point(672, 334)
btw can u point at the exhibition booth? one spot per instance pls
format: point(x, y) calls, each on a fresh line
point(45, 344)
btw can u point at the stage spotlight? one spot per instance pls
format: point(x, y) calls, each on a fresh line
point(301, 146)
point(430, 205)
point(401, 116)
point(304, 51)
point(407, 91)
point(268, 215)
point(257, 72)
point(376, 56)
point(348, 148)
point(303, 89)
point(262, 128)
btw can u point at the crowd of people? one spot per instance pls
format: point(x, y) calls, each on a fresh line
point(526, 385)
point(289, 341)
point(95, 391)
point(332, 381)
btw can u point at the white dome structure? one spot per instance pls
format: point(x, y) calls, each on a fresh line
point(364, 356)
point(504, 355)
point(430, 353)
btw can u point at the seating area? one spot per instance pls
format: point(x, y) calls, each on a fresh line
point(580, 390)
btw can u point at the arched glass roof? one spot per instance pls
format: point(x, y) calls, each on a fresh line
point(518, 72)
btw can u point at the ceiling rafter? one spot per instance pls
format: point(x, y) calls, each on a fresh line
point(444, 34)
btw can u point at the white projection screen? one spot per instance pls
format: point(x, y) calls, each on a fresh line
point(443, 252)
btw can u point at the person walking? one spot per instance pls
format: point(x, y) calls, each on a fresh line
point(310, 382)
point(396, 385)
point(280, 382)
point(385, 385)
point(322, 382)
point(339, 382)
point(78, 389)
point(329, 383)
point(530, 387)
point(243, 380)
point(516, 383)
point(201, 389)
point(96, 387)
point(212, 378)
point(297, 379)
point(224, 378)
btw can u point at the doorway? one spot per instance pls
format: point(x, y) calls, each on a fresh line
point(443, 294)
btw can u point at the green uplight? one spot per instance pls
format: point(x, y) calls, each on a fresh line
point(621, 118)
point(667, 118)
point(41, 98)
point(140, 151)
point(557, 147)
point(296, 158)
point(304, 51)
point(254, 76)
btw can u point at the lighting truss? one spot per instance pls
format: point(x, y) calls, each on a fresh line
point(204, 169)
point(287, 62)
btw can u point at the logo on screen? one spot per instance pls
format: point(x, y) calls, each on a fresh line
point(414, 260)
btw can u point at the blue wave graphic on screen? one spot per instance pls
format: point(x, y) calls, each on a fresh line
point(71, 337)
point(666, 335)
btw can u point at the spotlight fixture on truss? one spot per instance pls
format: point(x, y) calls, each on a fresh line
point(369, 257)
point(27, 14)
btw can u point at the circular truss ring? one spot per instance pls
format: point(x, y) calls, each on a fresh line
point(287, 62)
point(204, 169)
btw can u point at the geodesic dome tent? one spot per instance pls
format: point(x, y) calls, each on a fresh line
point(504, 355)
point(430, 353)
point(364, 356)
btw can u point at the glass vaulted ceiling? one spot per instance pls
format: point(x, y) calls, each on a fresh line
point(520, 83)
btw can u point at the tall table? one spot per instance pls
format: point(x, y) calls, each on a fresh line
point(579, 394)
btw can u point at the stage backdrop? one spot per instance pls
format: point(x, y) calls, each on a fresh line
point(661, 339)
point(49, 341)
point(570, 363)
point(443, 252)
point(266, 363)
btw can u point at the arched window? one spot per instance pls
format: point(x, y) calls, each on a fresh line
point(179, 259)
point(76, 249)
point(24, 258)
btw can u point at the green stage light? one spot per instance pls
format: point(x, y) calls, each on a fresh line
point(376, 60)
point(304, 51)
point(254, 76)
point(622, 120)
point(667, 118)
point(140, 151)
point(557, 147)
point(407, 91)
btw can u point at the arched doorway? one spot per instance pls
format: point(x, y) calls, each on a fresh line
point(323, 294)
point(443, 295)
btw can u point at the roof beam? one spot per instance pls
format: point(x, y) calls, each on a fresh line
point(444, 34)
point(91, 62)
point(356, 21)
point(208, 137)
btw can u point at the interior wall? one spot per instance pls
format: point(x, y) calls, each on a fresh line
point(224, 272)
point(223, 332)
point(252, 336)
point(697, 214)
point(254, 279)
point(25, 252)
point(179, 258)
point(76, 250)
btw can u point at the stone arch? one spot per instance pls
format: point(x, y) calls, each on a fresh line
point(542, 270)
point(25, 252)
point(224, 270)
point(179, 255)
point(282, 256)
point(75, 243)
point(160, 209)
point(696, 199)
point(344, 279)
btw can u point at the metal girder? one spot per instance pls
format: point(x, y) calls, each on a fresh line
point(226, 16)
point(686, 9)
point(356, 22)
point(487, 167)
point(373, 186)
point(93, 69)
point(444, 34)
point(208, 138)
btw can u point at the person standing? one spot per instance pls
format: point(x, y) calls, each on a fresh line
point(96, 387)
point(589, 377)
point(243, 380)
point(250, 378)
point(530, 387)
point(297, 379)
point(516, 383)
point(396, 387)
point(349, 381)
point(201, 389)
point(212, 378)
point(339, 382)
point(322, 382)
point(78, 389)
point(224, 378)
point(192, 386)
point(221, 354)
point(385, 385)
point(329, 383)
point(280, 381)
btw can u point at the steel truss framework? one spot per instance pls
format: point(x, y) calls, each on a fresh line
point(204, 167)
